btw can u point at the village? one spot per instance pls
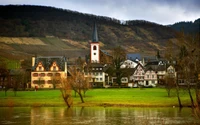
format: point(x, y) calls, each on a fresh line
point(136, 70)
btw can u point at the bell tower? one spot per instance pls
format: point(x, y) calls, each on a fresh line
point(94, 46)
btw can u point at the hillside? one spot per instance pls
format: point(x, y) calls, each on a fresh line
point(187, 27)
point(37, 30)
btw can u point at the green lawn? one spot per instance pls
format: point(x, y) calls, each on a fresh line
point(96, 97)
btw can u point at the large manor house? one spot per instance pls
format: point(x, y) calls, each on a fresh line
point(140, 70)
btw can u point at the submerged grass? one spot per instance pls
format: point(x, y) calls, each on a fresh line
point(150, 97)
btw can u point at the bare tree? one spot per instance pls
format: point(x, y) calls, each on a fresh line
point(77, 81)
point(169, 84)
point(119, 55)
point(170, 56)
point(18, 80)
point(66, 91)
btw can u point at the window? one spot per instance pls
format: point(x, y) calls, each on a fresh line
point(100, 68)
point(38, 82)
point(100, 79)
point(35, 74)
point(97, 79)
point(54, 68)
point(57, 74)
point(40, 68)
point(152, 76)
point(147, 76)
point(94, 53)
point(100, 73)
point(94, 48)
point(49, 74)
point(42, 74)
point(49, 81)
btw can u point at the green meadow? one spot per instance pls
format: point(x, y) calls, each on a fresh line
point(148, 97)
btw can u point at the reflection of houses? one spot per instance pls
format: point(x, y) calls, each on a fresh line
point(47, 71)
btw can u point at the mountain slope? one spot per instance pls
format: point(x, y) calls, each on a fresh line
point(28, 30)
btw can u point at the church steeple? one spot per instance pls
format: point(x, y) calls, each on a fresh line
point(95, 34)
point(94, 46)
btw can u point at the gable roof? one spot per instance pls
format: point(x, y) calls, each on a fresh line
point(47, 62)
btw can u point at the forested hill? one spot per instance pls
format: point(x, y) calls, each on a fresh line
point(73, 30)
point(187, 27)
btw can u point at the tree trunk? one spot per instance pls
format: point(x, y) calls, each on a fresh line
point(178, 96)
point(198, 97)
point(191, 98)
point(168, 92)
point(81, 97)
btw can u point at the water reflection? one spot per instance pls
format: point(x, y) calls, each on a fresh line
point(96, 116)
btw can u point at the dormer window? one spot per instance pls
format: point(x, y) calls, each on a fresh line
point(54, 67)
point(40, 67)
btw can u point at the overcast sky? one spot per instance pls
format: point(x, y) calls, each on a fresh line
point(158, 11)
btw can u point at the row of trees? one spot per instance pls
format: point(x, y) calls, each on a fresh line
point(188, 69)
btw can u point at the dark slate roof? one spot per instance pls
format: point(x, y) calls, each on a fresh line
point(47, 61)
point(152, 63)
point(95, 34)
point(133, 56)
point(155, 67)
point(161, 68)
point(106, 53)
point(150, 68)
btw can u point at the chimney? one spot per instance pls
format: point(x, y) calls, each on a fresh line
point(33, 61)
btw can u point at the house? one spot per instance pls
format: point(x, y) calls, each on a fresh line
point(129, 64)
point(96, 72)
point(150, 77)
point(161, 72)
point(47, 71)
point(159, 66)
point(138, 76)
point(171, 72)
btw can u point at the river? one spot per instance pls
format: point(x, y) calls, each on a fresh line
point(96, 116)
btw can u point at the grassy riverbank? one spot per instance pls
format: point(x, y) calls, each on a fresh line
point(97, 97)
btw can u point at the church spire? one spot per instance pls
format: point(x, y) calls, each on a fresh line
point(95, 34)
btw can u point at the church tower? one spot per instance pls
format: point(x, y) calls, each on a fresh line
point(94, 46)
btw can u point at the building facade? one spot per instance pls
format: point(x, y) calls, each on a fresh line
point(48, 71)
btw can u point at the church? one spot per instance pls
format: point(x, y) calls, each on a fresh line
point(99, 61)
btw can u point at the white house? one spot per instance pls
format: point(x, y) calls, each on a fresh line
point(128, 64)
point(150, 77)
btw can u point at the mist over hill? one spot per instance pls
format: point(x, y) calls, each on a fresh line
point(39, 30)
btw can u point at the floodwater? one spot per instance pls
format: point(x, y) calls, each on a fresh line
point(96, 116)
